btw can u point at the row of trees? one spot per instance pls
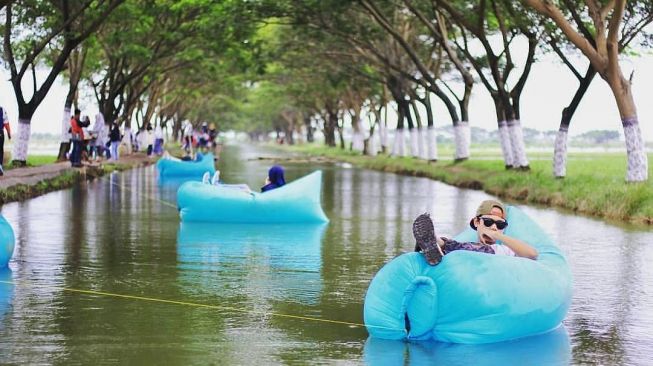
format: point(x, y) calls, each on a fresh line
point(290, 65)
point(146, 61)
point(349, 57)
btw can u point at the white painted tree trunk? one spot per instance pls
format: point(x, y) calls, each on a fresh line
point(414, 142)
point(637, 159)
point(383, 136)
point(462, 139)
point(506, 145)
point(127, 139)
point(65, 125)
point(517, 141)
point(22, 139)
point(560, 154)
point(423, 149)
point(357, 141)
point(399, 146)
point(373, 144)
point(431, 144)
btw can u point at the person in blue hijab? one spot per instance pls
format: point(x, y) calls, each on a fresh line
point(275, 179)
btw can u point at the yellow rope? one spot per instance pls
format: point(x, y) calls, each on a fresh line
point(186, 303)
point(90, 292)
point(148, 196)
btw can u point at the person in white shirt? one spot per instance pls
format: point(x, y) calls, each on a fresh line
point(187, 131)
point(489, 222)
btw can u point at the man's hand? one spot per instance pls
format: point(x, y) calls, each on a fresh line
point(487, 235)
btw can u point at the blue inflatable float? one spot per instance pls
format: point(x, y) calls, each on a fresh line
point(6, 242)
point(471, 297)
point(182, 168)
point(297, 201)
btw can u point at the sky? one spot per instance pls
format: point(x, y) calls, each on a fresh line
point(549, 89)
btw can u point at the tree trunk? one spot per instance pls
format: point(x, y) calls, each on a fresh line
point(560, 153)
point(357, 143)
point(309, 129)
point(64, 145)
point(520, 160)
point(383, 131)
point(373, 143)
point(341, 135)
point(431, 144)
point(420, 136)
point(21, 141)
point(330, 124)
point(637, 159)
point(398, 148)
point(399, 145)
point(462, 138)
point(560, 147)
point(637, 170)
point(506, 145)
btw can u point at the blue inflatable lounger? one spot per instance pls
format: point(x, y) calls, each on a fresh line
point(297, 201)
point(472, 297)
point(173, 167)
point(7, 240)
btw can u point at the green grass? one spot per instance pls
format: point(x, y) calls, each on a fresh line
point(36, 160)
point(595, 182)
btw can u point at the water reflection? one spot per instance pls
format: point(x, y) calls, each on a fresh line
point(129, 242)
point(280, 262)
point(6, 292)
point(552, 348)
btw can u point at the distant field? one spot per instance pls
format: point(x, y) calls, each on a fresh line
point(594, 185)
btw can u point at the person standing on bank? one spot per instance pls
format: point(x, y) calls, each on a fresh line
point(77, 134)
point(115, 138)
point(5, 126)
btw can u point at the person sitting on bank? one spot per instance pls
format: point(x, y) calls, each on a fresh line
point(489, 222)
point(275, 179)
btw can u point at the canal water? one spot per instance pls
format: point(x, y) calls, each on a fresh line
point(105, 273)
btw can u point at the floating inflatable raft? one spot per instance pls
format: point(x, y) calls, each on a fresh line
point(471, 297)
point(297, 201)
point(182, 168)
point(6, 242)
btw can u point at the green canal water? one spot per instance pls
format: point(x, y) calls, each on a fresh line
point(105, 273)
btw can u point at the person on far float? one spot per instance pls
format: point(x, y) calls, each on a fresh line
point(275, 179)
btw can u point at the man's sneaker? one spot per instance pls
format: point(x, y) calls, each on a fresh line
point(425, 236)
point(216, 178)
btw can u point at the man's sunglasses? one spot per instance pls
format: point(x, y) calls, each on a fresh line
point(501, 224)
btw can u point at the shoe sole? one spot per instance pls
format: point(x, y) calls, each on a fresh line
point(425, 236)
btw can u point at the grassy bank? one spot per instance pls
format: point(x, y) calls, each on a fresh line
point(595, 183)
point(67, 179)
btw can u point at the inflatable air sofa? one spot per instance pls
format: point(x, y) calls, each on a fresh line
point(295, 202)
point(471, 297)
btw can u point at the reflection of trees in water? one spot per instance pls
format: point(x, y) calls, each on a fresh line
point(612, 288)
point(597, 347)
point(22, 231)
